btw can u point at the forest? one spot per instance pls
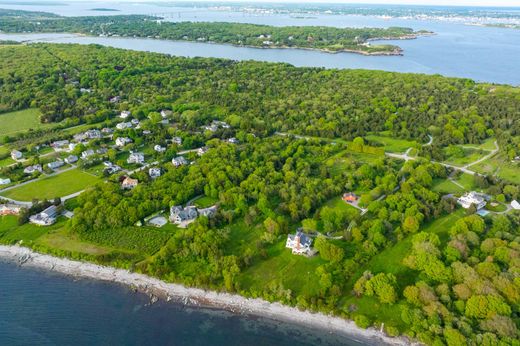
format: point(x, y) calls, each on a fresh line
point(412, 259)
point(309, 37)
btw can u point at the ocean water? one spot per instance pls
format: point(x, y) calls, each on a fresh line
point(46, 308)
point(484, 54)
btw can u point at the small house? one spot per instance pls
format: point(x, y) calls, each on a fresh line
point(515, 205)
point(180, 215)
point(202, 151)
point(208, 212)
point(10, 209)
point(87, 153)
point(33, 169)
point(55, 164)
point(350, 197)
point(179, 161)
point(122, 141)
point(159, 148)
point(154, 172)
point(135, 158)
point(125, 114)
point(71, 159)
point(129, 183)
point(5, 181)
point(177, 140)
point(123, 126)
point(232, 140)
point(165, 113)
point(16, 155)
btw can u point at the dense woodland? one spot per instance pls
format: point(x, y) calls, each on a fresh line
point(312, 37)
point(458, 284)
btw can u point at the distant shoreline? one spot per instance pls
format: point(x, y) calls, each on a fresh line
point(156, 288)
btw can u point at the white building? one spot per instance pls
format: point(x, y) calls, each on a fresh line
point(16, 155)
point(154, 172)
point(123, 126)
point(46, 217)
point(208, 212)
point(165, 113)
point(179, 161)
point(515, 205)
point(55, 164)
point(122, 141)
point(202, 151)
point(125, 114)
point(159, 149)
point(134, 122)
point(233, 140)
point(177, 140)
point(300, 244)
point(71, 159)
point(5, 181)
point(180, 215)
point(136, 158)
point(472, 198)
point(32, 169)
point(10, 209)
point(87, 153)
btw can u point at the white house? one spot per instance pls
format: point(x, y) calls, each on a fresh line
point(136, 158)
point(472, 198)
point(300, 244)
point(165, 113)
point(32, 169)
point(125, 114)
point(179, 161)
point(55, 164)
point(154, 172)
point(123, 126)
point(202, 151)
point(87, 153)
point(122, 141)
point(134, 122)
point(60, 145)
point(177, 140)
point(159, 149)
point(46, 217)
point(208, 212)
point(5, 181)
point(515, 205)
point(233, 140)
point(71, 159)
point(16, 155)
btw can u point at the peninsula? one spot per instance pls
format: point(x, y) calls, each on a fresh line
point(322, 38)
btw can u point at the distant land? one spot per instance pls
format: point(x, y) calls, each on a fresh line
point(102, 9)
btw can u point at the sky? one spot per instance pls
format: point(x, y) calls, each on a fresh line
point(492, 3)
point(509, 3)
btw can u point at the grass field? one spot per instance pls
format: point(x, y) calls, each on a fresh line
point(500, 166)
point(59, 185)
point(470, 155)
point(63, 240)
point(20, 121)
point(446, 186)
point(204, 202)
point(391, 144)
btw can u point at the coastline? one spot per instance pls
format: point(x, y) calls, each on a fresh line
point(192, 296)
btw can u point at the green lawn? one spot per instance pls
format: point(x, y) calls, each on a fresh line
point(10, 232)
point(488, 144)
point(470, 155)
point(500, 166)
point(205, 202)
point(59, 185)
point(20, 121)
point(468, 181)
point(6, 162)
point(62, 239)
point(391, 144)
point(445, 186)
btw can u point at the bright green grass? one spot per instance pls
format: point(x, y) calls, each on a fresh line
point(392, 144)
point(470, 155)
point(63, 240)
point(297, 273)
point(14, 122)
point(6, 162)
point(4, 150)
point(58, 185)
point(500, 166)
point(205, 202)
point(488, 144)
point(445, 186)
point(10, 232)
point(467, 180)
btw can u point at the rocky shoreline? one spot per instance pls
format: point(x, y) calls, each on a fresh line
point(157, 289)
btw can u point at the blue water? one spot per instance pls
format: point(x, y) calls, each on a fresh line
point(45, 308)
point(457, 50)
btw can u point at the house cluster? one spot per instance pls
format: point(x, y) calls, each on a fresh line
point(300, 244)
point(472, 198)
point(88, 135)
point(33, 169)
point(55, 164)
point(183, 216)
point(179, 161)
point(46, 218)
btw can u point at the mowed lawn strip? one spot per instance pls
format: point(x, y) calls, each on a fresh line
point(19, 121)
point(58, 185)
